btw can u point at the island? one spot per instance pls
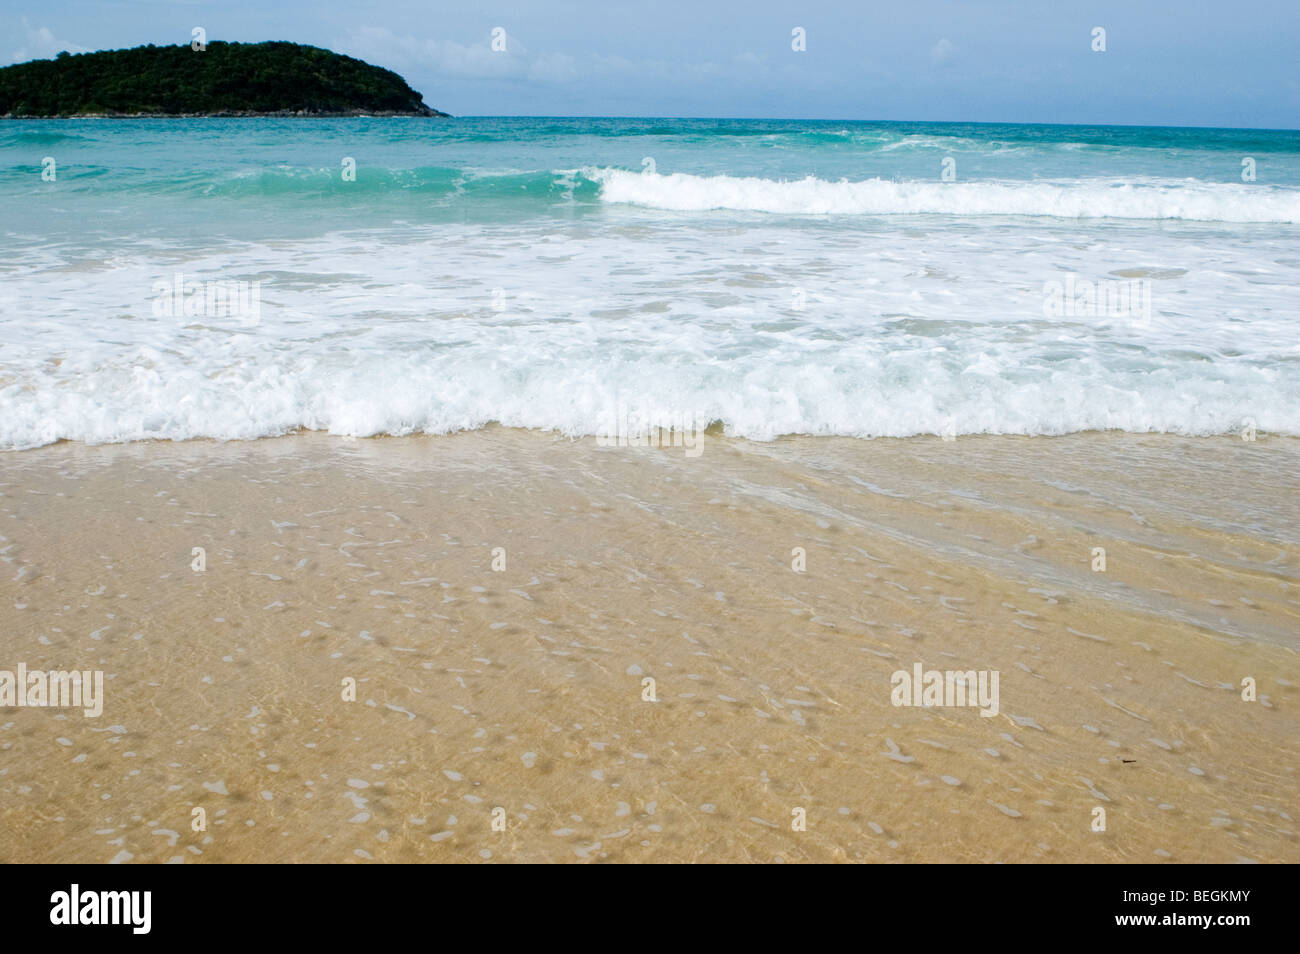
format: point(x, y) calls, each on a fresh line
point(224, 79)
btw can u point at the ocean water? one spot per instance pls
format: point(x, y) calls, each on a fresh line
point(177, 279)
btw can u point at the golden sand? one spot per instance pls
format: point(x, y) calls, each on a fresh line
point(522, 688)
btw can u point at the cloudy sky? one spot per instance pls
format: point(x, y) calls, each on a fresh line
point(1166, 62)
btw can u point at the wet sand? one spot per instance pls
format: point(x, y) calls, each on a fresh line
point(521, 688)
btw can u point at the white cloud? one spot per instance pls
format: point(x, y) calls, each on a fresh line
point(40, 44)
point(447, 58)
point(553, 68)
point(942, 51)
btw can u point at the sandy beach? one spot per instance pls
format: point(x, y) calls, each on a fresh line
point(501, 596)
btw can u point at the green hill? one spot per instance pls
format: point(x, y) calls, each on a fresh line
point(226, 79)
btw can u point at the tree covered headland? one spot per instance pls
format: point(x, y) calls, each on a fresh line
point(223, 79)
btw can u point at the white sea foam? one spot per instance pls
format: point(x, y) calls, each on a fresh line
point(1087, 199)
point(899, 331)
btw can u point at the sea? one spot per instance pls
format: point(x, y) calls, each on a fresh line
point(175, 279)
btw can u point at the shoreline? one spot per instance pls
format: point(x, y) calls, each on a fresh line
point(248, 114)
point(522, 687)
point(713, 432)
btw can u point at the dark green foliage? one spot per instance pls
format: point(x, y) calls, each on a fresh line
point(224, 78)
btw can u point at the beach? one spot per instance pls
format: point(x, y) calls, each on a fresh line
point(537, 489)
point(501, 597)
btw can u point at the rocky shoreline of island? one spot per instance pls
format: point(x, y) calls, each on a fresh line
point(428, 113)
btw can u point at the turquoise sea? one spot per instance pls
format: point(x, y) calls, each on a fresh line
point(242, 278)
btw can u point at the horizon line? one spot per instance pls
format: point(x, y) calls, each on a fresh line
point(668, 117)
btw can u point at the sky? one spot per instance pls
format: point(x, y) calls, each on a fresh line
point(1165, 62)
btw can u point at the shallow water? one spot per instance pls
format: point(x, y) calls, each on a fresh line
point(521, 688)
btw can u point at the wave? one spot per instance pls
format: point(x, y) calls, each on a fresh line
point(432, 181)
point(40, 137)
point(1148, 200)
point(1084, 199)
point(246, 389)
point(371, 184)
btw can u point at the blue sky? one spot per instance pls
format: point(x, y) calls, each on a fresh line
point(1167, 62)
